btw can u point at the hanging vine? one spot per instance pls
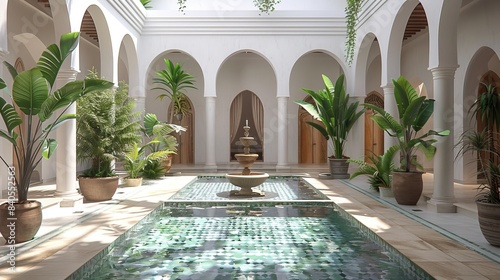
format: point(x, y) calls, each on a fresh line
point(182, 5)
point(351, 13)
point(266, 6)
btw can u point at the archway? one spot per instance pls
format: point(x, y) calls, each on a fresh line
point(374, 136)
point(313, 146)
point(246, 110)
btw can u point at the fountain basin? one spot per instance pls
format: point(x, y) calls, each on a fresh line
point(247, 182)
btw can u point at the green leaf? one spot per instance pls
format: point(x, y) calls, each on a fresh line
point(9, 115)
point(48, 148)
point(310, 108)
point(12, 69)
point(29, 91)
point(7, 136)
point(53, 57)
point(59, 121)
point(2, 84)
point(411, 112)
point(424, 114)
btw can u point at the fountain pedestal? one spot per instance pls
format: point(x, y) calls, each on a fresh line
point(247, 179)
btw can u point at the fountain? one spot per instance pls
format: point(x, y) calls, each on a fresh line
point(247, 179)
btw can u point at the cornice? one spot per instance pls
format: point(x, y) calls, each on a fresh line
point(132, 11)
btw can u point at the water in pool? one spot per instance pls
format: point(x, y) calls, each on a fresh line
point(248, 241)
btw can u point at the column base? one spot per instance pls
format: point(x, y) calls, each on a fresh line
point(283, 167)
point(210, 168)
point(72, 201)
point(440, 206)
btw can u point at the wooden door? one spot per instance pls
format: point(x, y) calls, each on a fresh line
point(312, 144)
point(374, 136)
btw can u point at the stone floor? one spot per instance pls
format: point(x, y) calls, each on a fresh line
point(448, 246)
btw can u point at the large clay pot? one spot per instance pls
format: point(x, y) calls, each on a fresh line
point(407, 187)
point(98, 188)
point(339, 168)
point(22, 223)
point(489, 221)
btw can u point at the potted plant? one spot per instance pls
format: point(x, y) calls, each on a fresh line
point(161, 134)
point(484, 148)
point(378, 171)
point(135, 160)
point(174, 81)
point(34, 94)
point(413, 113)
point(106, 127)
point(331, 106)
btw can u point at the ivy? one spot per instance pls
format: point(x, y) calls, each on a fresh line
point(266, 6)
point(351, 13)
point(182, 5)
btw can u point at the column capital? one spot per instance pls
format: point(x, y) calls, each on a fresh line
point(389, 86)
point(67, 74)
point(443, 71)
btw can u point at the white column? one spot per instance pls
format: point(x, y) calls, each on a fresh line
point(390, 107)
point(443, 196)
point(282, 133)
point(5, 146)
point(66, 150)
point(210, 107)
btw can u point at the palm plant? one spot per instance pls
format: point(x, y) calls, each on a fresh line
point(135, 159)
point(331, 106)
point(161, 132)
point(34, 94)
point(146, 3)
point(106, 127)
point(379, 170)
point(174, 82)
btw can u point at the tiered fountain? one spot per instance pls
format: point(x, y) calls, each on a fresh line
point(247, 179)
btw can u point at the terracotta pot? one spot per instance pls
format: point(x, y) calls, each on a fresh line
point(133, 182)
point(98, 189)
point(166, 163)
point(489, 221)
point(407, 187)
point(339, 168)
point(22, 223)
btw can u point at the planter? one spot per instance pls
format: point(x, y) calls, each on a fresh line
point(133, 182)
point(339, 168)
point(385, 192)
point(98, 189)
point(166, 163)
point(28, 221)
point(407, 187)
point(489, 221)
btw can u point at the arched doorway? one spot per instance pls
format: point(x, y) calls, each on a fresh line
point(185, 150)
point(313, 146)
point(374, 136)
point(246, 109)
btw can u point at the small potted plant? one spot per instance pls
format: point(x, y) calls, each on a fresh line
point(45, 108)
point(413, 113)
point(378, 171)
point(134, 161)
point(338, 116)
point(106, 127)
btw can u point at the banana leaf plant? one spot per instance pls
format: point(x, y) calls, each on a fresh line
point(34, 94)
point(413, 113)
point(161, 133)
point(338, 116)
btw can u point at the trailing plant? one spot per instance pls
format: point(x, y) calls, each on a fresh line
point(182, 5)
point(146, 3)
point(266, 6)
point(33, 92)
point(106, 127)
point(413, 113)
point(353, 7)
point(174, 81)
point(338, 116)
point(379, 170)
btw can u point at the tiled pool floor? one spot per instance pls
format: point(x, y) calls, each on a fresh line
point(89, 232)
